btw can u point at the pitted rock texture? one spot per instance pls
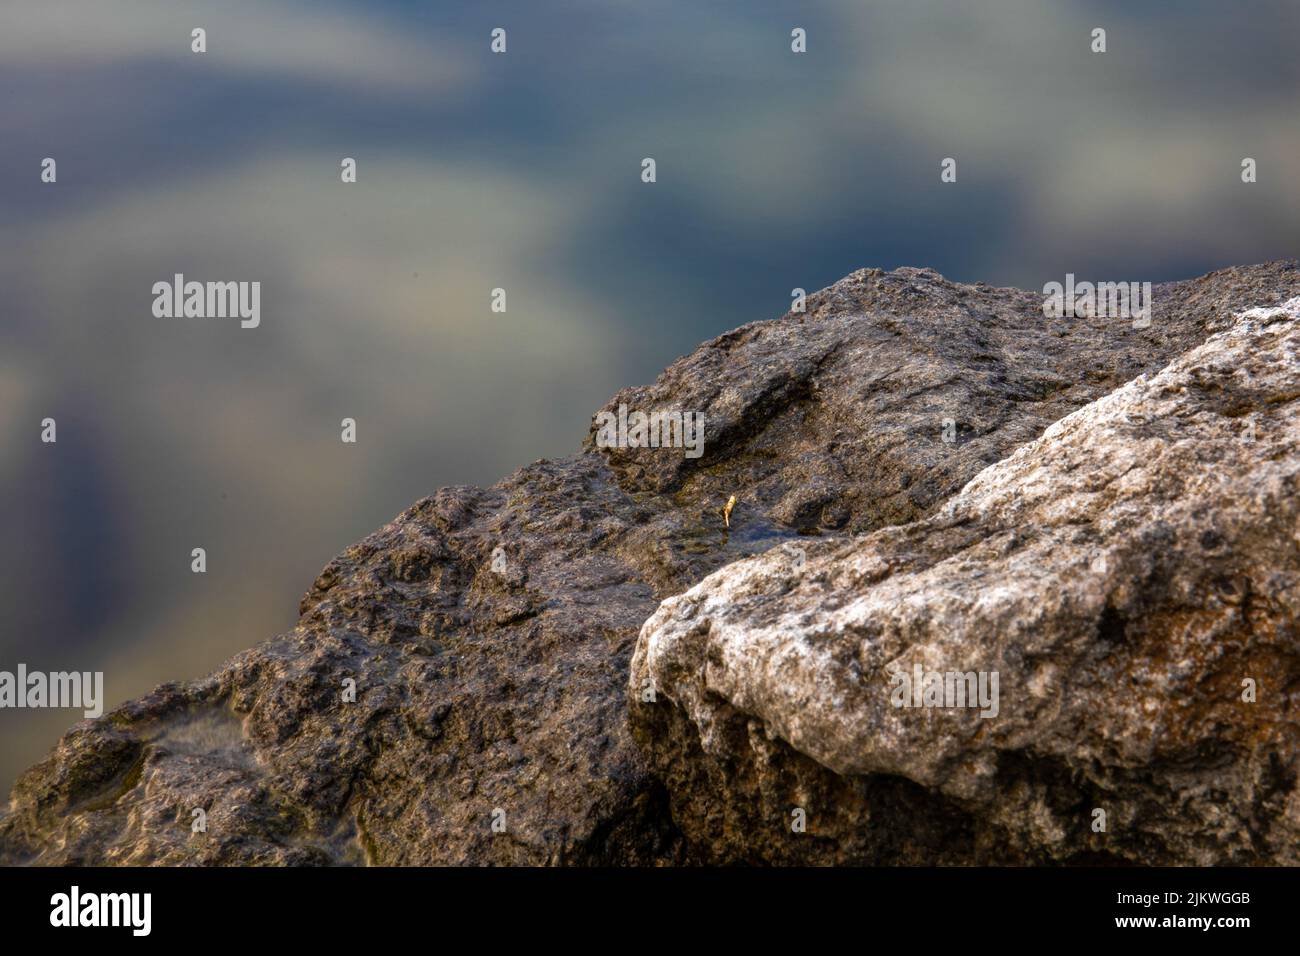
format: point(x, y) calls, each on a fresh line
point(480, 690)
point(833, 420)
point(1132, 577)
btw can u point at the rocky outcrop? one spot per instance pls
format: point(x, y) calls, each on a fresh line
point(455, 689)
point(1124, 593)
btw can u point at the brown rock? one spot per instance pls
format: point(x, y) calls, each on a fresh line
point(481, 690)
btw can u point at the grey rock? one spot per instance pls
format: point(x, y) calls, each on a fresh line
point(1125, 577)
point(482, 690)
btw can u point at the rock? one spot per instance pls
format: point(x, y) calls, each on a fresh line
point(1131, 579)
point(488, 632)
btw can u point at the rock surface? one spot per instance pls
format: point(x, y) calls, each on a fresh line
point(1132, 579)
point(489, 631)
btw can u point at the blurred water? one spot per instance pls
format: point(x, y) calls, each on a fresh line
point(520, 171)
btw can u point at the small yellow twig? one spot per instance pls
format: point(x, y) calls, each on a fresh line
point(726, 510)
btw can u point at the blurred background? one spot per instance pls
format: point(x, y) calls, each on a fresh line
point(519, 171)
